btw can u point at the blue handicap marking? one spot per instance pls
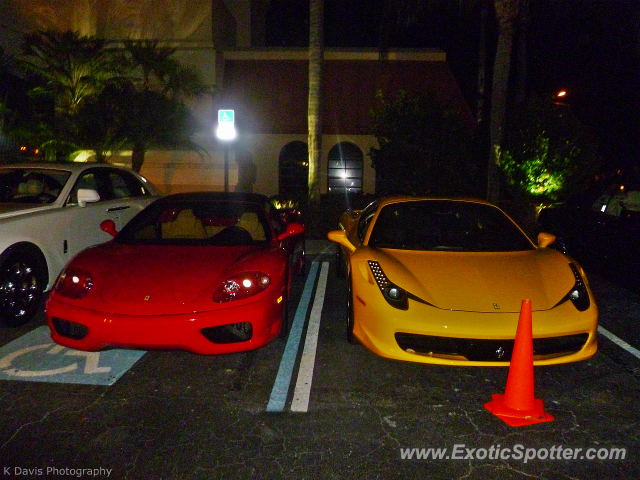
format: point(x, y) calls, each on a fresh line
point(35, 357)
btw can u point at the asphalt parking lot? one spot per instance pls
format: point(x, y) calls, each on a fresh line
point(345, 412)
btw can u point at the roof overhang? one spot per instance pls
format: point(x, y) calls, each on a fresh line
point(415, 55)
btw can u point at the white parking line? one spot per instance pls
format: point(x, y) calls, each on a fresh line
point(300, 402)
point(618, 341)
point(280, 389)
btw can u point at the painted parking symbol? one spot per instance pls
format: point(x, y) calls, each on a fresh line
point(34, 357)
point(91, 365)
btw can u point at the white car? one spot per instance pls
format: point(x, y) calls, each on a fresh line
point(48, 213)
point(618, 199)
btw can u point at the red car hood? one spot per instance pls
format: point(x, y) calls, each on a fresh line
point(156, 280)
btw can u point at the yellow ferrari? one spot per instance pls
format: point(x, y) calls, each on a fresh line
point(442, 281)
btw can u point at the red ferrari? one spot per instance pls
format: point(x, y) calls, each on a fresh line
point(204, 272)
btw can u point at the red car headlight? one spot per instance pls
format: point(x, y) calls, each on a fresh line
point(240, 286)
point(74, 283)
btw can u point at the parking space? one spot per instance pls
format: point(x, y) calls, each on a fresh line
point(344, 411)
point(34, 357)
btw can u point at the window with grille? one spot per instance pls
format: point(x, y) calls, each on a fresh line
point(345, 166)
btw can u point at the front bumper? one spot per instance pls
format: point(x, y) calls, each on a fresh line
point(149, 332)
point(430, 335)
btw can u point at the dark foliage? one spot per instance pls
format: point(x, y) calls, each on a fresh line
point(548, 154)
point(425, 148)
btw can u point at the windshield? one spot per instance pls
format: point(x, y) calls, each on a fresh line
point(198, 223)
point(31, 185)
point(446, 225)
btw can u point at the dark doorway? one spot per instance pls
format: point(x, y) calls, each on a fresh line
point(294, 171)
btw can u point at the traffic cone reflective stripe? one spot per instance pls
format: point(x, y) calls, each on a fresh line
point(518, 406)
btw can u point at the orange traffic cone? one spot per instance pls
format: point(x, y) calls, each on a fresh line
point(517, 406)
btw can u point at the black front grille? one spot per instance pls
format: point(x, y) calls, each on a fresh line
point(68, 329)
point(482, 350)
point(231, 333)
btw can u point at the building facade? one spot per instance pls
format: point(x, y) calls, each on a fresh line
point(266, 87)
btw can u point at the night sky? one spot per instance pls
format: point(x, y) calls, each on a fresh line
point(591, 48)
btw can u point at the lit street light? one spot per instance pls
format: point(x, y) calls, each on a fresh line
point(561, 98)
point(226, 131)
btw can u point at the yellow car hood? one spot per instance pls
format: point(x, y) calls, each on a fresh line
point(480, 282)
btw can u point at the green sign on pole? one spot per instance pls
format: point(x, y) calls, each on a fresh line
point(226, 129)
point(225, 116)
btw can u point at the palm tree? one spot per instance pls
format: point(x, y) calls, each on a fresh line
point(506, 14)
point(482, 62)
point(73, 67)
point(316, 64)
point(520, 85)
point(507, 11)
point(97, 124)
point(70, 72)
point(155, 93)
point(399, 14)
point(6, 61)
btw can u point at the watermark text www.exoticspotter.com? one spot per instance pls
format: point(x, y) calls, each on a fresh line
point(65, 472)
point(516, 452)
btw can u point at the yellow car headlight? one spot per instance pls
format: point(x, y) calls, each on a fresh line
point(578, 294)
point(394, 295)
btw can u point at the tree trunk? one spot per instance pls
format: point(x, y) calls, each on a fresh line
point(482, 62)
point(521, 55)
point(506, 13)
point(137, 157)
point(101, 156)
point(316, 63)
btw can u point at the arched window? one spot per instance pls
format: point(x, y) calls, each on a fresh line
point(345, 168)
point(293, 170)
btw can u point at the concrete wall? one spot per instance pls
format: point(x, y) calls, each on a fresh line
point(184, 171)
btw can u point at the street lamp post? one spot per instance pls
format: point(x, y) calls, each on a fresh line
point(226, 167)
point(226, 132)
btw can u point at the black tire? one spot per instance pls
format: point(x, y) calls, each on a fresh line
point(301, 267)
point(303, 260)
point(351, 338)
point(21, 285)
point(341, 268)
point(284, 325)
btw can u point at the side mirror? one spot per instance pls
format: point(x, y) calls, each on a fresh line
point(340, 237)
point(292, 229)
point(87, 195)
point(109, 226)
point(545, 239)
